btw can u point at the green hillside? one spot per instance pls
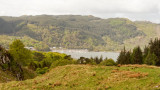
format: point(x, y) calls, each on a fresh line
point(75, 31)
point(6, 76)
point(89, 77)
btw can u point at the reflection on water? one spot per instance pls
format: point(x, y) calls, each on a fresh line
point(77, 54)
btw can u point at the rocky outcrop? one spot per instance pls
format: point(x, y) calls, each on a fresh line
point(7, 63)
point(4, 56)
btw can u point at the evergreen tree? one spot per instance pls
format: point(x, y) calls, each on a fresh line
point(91, 58)
point(81, 60)
point(137, 56)
point(146, 50)
point(145, 53)
point(150, 59)
point(155, 48)
point(19, 53)
point(97, 60)
point(128, 58)
point(121, 57)
point(101, 59)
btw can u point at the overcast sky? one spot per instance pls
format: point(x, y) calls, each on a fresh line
point(133, 9)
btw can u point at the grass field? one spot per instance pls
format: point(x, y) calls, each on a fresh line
point(89, 77)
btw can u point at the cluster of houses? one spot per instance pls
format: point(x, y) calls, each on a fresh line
point(60, 49)
point(30, 48)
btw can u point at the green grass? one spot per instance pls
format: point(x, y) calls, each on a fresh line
point(88, 77)
point(6, 76)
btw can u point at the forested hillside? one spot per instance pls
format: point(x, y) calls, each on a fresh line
point(75, 31)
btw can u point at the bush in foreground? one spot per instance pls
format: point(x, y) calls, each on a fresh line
point(42, 70)
point(108, 62)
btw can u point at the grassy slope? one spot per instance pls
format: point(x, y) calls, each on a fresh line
point(87, 77)
point(6, 76)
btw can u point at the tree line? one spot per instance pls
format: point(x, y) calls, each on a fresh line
point(150, 55)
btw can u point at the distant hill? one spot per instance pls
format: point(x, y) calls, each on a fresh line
point(75, 31)
point(86, 77)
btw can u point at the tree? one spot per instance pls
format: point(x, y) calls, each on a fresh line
point(154, 47)
point(101, 59)
point(121, 57)
point(108, 62)
point(42, 47)
point(44, 64)
point(98, 60)
point(20, 54)
point(128, 58)
point(145, 53)
point(68, 57)
point(38, 56)
point(150, 59)
point(137, 56)
point(146, 50)
point(32, 66)
point(81, 60)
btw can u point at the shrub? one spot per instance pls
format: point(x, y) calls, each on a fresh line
point(41, 70)
point(108, 62)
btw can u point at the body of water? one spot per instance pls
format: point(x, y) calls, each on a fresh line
point(77, 54)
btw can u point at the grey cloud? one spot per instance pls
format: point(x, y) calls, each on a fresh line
point(132, 9)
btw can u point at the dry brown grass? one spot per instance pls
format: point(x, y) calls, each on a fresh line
point(118, 76)
point(128, 74)
point(140, 66)
point(137, 75)
point(57, 84)
point(118, 65)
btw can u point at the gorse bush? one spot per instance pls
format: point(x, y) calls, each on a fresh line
point(42, 70)
point(108, 62)
point(43, 60)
